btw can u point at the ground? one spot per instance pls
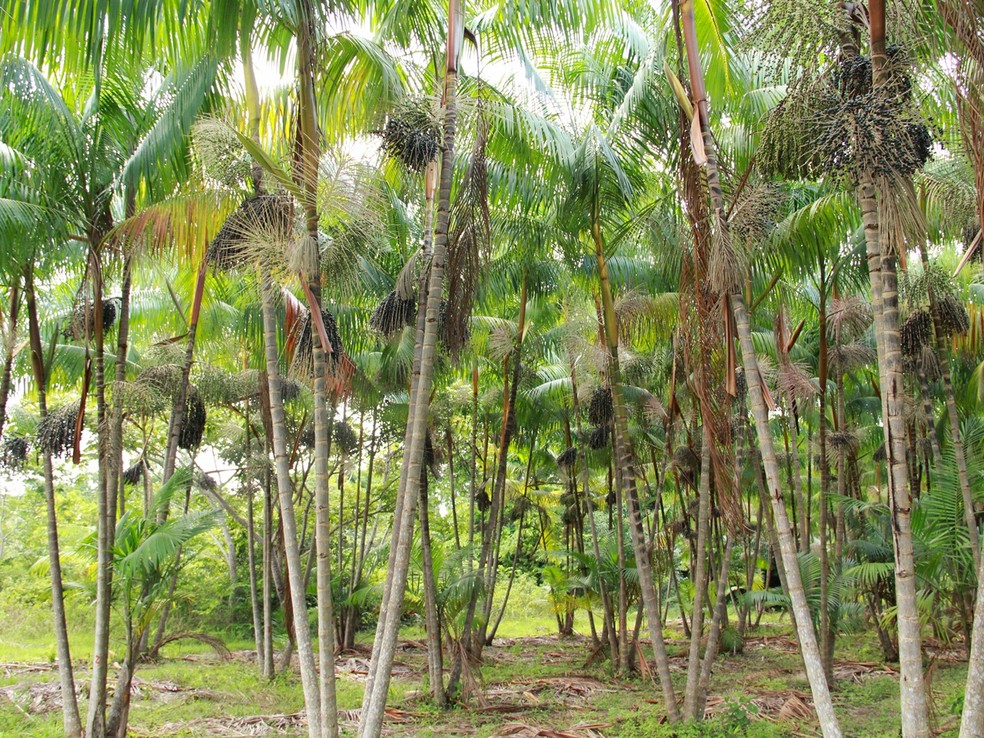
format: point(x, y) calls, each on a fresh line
point(530, 685)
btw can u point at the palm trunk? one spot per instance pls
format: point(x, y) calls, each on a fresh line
point(882, 274)
point(398, 516)
point(692, 709)
point(826, 627)
point(71, 721)
point(623, 595)
point(489, 561)
point(972, 722)
point(829, 724)
point(787, 546)
point(268, 588)
point(9, 344)
point(384, 653)
point(435, 658)
point(623, 454)
point(797, 479)
point(295, 572)
point(310, 157)
point(714, 635)
point(105, 510)
point(606, 600)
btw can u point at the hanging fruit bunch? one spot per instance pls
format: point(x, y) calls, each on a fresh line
point(412, 134)
point(916, 332)
point(193, 427)
point(56, 431)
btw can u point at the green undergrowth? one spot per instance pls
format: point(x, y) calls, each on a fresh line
point(532, 679)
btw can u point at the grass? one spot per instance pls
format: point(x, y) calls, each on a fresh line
point(528, 669)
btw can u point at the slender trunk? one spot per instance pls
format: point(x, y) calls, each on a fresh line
point(581, 461)
point(512, 575)
point(435, 657)
point(399, 518)
point(692, 709)
point(972, 722)
point(310, 156)
point(9, 345)
point(451, 490)
point(808, 644)
point(489, 563)
point(714, 635)
point(71, 721)
point(268, 588)
point(105, 510)
point(882, 274)
point(295, 573)
point(623, 598)
point(787, 547)
point(623, 454)
point(374, 706)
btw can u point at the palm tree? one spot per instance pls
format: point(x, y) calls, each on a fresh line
point(146, 553)
point(808, 643)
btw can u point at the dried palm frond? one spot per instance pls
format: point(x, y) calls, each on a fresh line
point(502, 341)
point(954, 320)
point(393, 314)
point(794, 382)
point(633, 312)
point(653, 409)
point(845, 357)
point(916, 332)
point(469, 241)
point(56, 431)
point(600, 410)
point(14, 452)
point(567, 457)
point(849, 316)
point(844, 442)
point(452, 337)
point(258, 218)
point(728, 260)
point(193, 425)
point(412, 134)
